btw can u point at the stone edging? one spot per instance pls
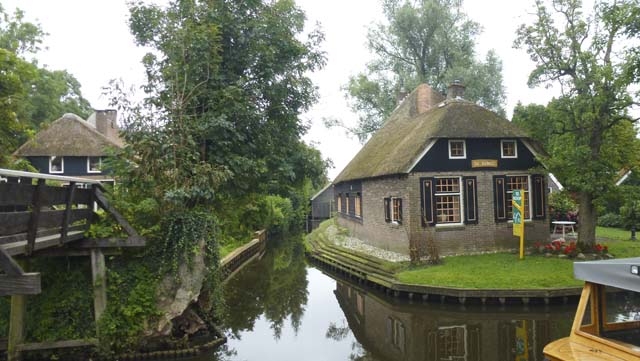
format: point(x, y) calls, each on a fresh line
point(239, 257)
point(365, 271)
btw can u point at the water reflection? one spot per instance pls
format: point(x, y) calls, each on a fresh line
point(395, 330)
point(282, 309)
point(274, 288)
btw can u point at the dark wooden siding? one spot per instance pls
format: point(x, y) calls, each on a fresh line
point(323, 204)
point(437, 159)
point(73, 166)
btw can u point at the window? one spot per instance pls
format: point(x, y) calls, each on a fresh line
point(508, 149)
point(358, 205)
point(340, 203)
point(56, 164)
point(94, 164)
point(346, 202)
point(452, 343)
point(457, 149)
point(396, 333)
point(518, 182)
point(447, 196)
point(396, 210)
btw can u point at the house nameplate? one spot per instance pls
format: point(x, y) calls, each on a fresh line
point(484, 163)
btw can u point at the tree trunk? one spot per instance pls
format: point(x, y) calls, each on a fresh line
point(587, 220)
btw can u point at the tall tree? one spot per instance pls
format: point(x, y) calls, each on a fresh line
point(594, 61)
point(228, 80)
point(423, 41)
point(30, 95)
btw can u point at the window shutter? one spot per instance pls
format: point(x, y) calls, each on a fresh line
point(470, 200)
point(500, 197)
point(427, 194)
point(387, 209)
point(400, 210)
point(538, 194)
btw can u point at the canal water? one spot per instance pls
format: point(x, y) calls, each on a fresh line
point(281, 308)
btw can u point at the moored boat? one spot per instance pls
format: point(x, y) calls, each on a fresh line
point(607, 321)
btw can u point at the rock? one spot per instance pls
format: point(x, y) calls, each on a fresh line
point(609, 256)
point(528, 253)
point(176, 292)
point(581, 256)
point(562, 256)
point(548, 255)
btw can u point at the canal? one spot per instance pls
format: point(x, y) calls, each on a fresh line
point(281, 308)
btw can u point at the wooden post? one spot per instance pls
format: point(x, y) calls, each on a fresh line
point(99, 276)
point(67, 213)
point(35, 216)
point(16, 324)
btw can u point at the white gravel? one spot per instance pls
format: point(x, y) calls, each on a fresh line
point(357, 245)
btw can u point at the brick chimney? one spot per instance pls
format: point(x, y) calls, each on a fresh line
point(456, 90)
point(106, 122)
point(426, 98)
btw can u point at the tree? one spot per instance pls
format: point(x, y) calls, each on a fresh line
point(424, 41)
point(29, 95)
point(592, 59)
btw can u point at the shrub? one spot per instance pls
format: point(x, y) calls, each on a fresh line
point(562, 207)
point(610, 220)
point(630, 212)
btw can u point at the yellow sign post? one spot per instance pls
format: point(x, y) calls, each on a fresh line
point(518, 217)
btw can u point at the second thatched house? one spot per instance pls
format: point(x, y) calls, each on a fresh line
point(444, 169)
point(72, 146)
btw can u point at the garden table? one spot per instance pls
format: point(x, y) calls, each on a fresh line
point(564, 225)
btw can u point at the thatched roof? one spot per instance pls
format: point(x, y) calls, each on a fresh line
point(408, 131)
point(68, 136)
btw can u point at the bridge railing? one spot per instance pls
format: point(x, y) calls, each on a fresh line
point(40, 211)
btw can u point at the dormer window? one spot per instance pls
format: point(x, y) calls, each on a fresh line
point(509, 149)
point(457, 149)
point(56, 164)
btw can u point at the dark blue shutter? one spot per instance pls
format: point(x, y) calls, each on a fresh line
point(538, 195)
point(428, 201)
point(470, 200)
point(387, 209)
point(500, 197)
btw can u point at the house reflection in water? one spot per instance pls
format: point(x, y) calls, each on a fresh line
point(394, 330)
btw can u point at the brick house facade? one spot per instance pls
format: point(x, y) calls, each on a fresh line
point(445, 169)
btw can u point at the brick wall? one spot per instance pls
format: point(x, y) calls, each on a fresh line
point(485, 236)
point(373, 228)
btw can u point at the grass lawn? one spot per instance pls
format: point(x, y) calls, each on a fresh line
point(499, 270)
point(503, 270)
point(610, 233)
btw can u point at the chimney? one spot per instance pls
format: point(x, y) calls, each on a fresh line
point(401, 96)
point(456, 90)
point(426, 99)
point(106, 122)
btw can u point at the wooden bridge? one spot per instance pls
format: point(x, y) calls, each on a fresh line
point(45, 215)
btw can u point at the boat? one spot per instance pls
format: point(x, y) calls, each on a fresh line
point(607, 322)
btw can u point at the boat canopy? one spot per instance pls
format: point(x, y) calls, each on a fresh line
point(621, 273)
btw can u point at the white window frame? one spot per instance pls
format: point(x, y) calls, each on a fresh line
point(89, 165)
point(528, 194)
point(61, 163)
point(435, 202)
point(394, 220)
point(464, 149)
point(515, 143)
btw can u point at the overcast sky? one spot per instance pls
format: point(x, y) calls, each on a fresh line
point(90, 39)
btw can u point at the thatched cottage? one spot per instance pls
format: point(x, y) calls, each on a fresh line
point(444, 169)
point(73, 146)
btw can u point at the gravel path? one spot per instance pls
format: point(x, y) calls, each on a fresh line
point(357, 245)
